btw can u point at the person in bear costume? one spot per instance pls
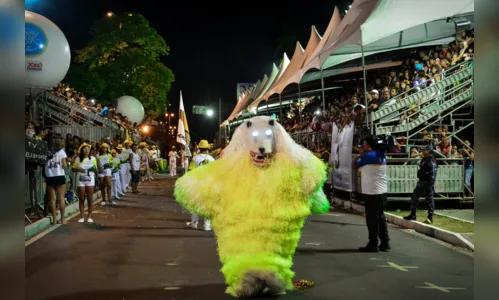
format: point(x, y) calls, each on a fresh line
point(257, 195)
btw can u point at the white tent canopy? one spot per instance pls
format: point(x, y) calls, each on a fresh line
point(294, 66)
point(297, 62)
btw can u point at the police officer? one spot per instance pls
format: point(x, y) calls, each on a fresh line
point(372, 162)
point(427, 174)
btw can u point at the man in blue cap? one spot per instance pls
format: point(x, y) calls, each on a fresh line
point(427, 174)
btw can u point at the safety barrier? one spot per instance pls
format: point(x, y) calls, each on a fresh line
point(89, 132)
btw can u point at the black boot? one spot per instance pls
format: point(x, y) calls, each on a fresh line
point(373, 248)
point(411, 216)
point(384, 246)
point(429, 219)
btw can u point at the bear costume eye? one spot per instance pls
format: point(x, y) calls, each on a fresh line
point(248, 124)
point(255, 133)
point(268, 132)
point(271, 122)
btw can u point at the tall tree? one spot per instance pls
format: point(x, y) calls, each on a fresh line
point(125, 51)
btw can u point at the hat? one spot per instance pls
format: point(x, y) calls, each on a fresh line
point(119, 147)
point(173, 147)
point(419, 67)
point(128, 142)
point(153, 147)
point(104, 145)
point(204, 144)
point(113, 151)
point(83, 146)
point(375, 92)
point(143, 144)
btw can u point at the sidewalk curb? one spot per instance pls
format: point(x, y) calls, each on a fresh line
point(441, 234)
point(39, 226)
point(450, 217)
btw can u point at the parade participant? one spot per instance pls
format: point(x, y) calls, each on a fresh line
point(85, 166)
point(374, 193)
point(201, 159)
point(172, 159)
point(135, 168)
point(184, 160)
point(122, 169)
point(105, 165)
point(125, 174)
point(144, 162)
point(55, 176)
point(257, 197)
point(154, 158)
point(427, 174)
point(115, 181)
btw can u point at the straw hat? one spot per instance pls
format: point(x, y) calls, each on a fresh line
point(204, 144)
point(104, 145)
point(142, 144)
point(113, 151)
point(128, 142)
point(83, 146)
point(119, 147)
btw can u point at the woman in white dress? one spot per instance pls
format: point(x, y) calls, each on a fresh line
point(172, 159)
point(85, 166)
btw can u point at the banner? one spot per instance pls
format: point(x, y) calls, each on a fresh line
point(244, 87)
point(342, 147)
point(183, 135)
point(37, 152)
point(199, 110)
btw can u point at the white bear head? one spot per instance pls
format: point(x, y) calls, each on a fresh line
point(259, 139)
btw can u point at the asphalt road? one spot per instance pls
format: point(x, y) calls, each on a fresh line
point(141, 250)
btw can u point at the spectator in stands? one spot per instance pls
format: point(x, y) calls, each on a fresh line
point(445, 147)
point(375, 102)
point(30, 129)
point(106, 110)
point(469, 158)
point(55, 177)
point(85, 166)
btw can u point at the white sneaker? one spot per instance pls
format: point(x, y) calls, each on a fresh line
point(103, 203)
point(191, 225)
point(90, 220)
point(113, 203)
point(122, 194)
point(82, 220)
point(207, 229)
point(116, 198)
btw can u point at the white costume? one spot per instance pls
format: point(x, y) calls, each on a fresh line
point(125, 168)
point(172, 160)
point(199, 160)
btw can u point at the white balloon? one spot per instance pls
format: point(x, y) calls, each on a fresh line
point(46, 50)
point(131, 108)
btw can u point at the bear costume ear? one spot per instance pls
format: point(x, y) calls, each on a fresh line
point(271, 122)
point(248, 124)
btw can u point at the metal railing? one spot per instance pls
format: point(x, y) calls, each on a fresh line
point(90, 133)
point(35, 189)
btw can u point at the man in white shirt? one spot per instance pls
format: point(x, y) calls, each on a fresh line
point(201, 159)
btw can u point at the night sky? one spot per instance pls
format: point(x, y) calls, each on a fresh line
point(214, 45)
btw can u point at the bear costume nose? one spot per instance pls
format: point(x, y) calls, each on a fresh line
point(262, 150)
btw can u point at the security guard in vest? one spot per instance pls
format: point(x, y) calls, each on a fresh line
point(427, 174)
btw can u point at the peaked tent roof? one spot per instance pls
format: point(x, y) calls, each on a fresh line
point(284, 64)
point(297, 64)
point(312, 60)
point(294, 66)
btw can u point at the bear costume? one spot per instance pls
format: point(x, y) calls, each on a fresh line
point(257, 195)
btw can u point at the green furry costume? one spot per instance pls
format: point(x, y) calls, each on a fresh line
point(257, 215)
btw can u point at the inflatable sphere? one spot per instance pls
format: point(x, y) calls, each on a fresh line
point(130, 108)
point(46, 52)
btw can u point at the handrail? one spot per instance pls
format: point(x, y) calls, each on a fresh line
point(86, 113)
point(426, 100)
point(402, 102)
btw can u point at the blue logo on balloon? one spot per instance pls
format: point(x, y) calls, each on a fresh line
point(35, 40)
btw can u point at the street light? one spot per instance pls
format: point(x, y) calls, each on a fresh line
point(110, 14)
point(210, 112)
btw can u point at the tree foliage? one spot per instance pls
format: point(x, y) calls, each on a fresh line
point(125, 51)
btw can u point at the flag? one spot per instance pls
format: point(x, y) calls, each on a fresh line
point(183, 136)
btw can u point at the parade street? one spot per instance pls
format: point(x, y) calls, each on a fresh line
point(141, 249)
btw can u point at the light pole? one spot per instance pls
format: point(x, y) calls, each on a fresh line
point(210, 114)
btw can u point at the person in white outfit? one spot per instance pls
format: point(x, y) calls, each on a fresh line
point(85, 166)
point(121, 169)
point(201, 159)
point(115, 181)
point(105, 165)
point(172, 159)
point(184, 160)
point(125, 174)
